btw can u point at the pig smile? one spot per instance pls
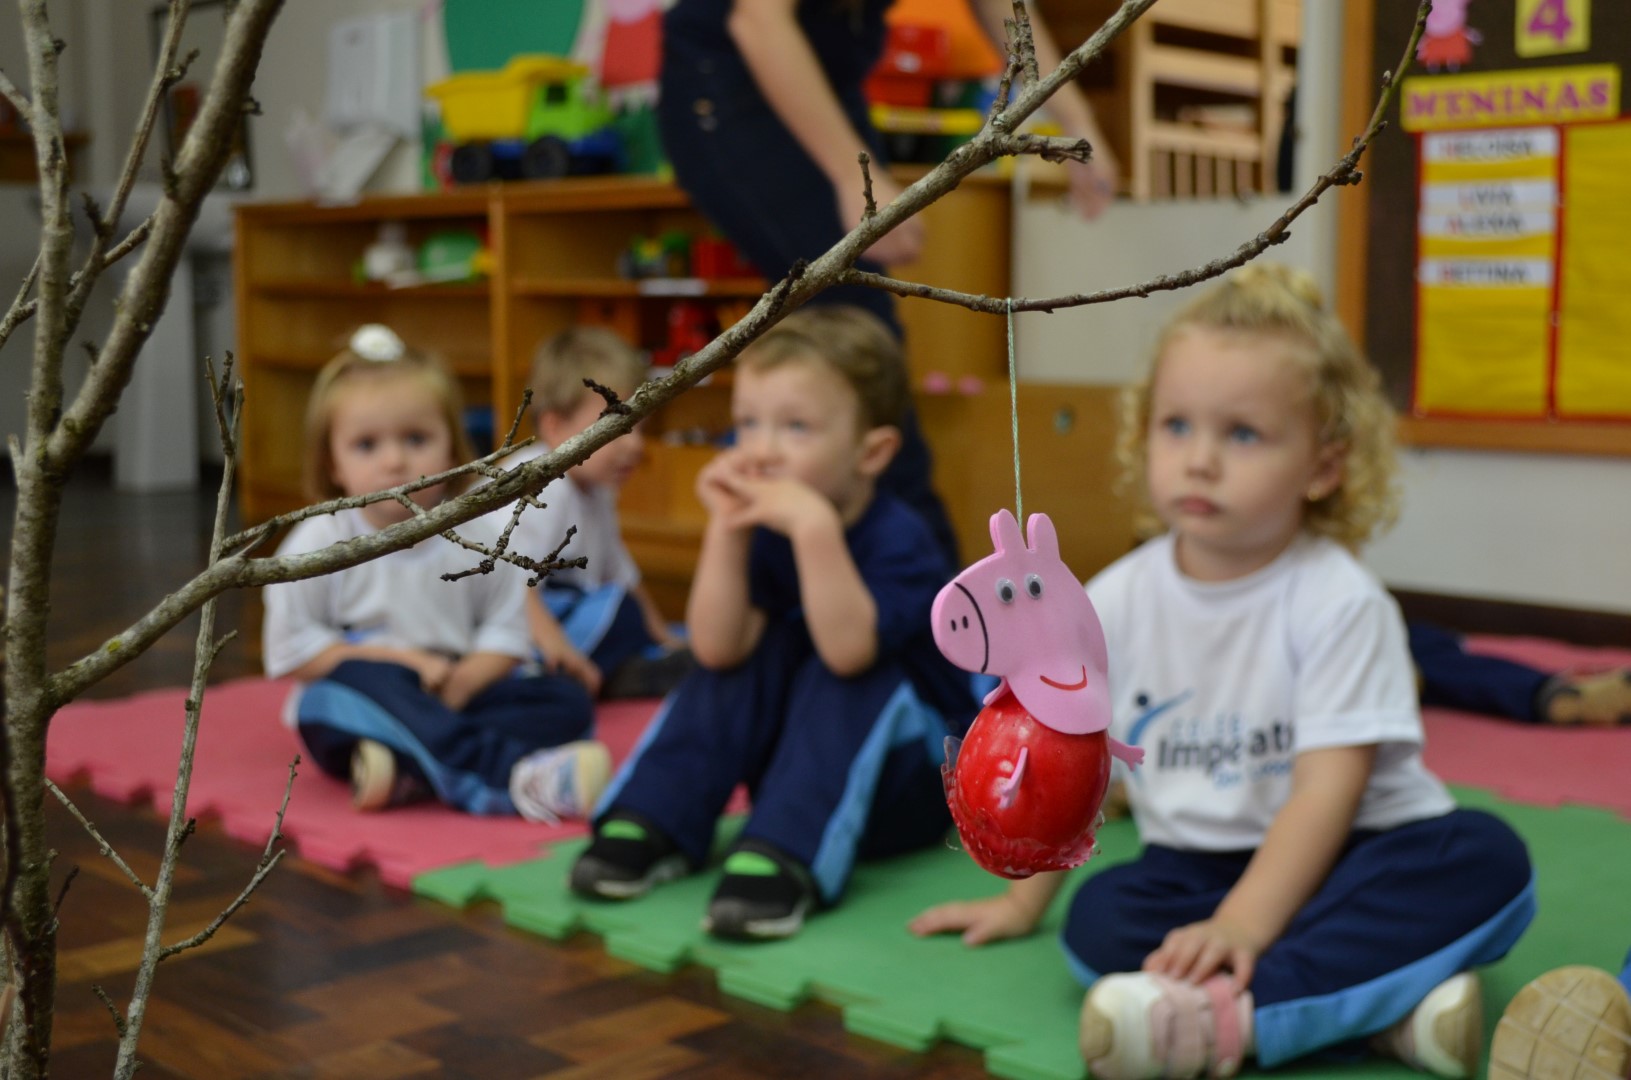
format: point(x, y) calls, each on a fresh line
point(1081, 684)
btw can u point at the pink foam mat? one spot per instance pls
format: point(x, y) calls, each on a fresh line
point(1545, 766)
point(127, 750)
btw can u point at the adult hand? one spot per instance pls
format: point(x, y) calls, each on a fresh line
point(1093, 183)
point(903, 243)
point(1196, 952)
point(979, 921)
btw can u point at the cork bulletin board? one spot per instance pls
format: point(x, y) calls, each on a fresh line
point(1497, 270)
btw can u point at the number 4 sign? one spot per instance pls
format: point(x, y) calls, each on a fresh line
point(1549, 27)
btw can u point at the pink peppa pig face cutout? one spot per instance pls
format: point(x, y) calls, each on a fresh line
point(1020, 613)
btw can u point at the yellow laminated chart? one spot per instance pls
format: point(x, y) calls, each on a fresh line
point(1593, 357)
point(1488, 243)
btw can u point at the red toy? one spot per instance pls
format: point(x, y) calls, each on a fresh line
point(1048, 822)
point(1026, 785)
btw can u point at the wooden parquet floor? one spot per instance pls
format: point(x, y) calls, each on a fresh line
point(337, 976)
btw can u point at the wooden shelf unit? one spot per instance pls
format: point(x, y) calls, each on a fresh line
point(1192, 95)
point(554, 247)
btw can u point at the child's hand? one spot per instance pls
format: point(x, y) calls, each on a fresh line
point(781, 505)
point(979, 921)
point(1196, 952)
point(471, 674)
point(568, 661)
point(432, 668)
point(717, 483)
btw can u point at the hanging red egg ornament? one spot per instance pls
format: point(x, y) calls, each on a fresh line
point(1025, 798)
point(1026, 786)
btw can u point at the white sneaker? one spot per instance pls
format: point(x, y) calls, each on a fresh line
point(1570, 1022)
point(1137, 1026)
point(560, 782)
point(1445, 1033)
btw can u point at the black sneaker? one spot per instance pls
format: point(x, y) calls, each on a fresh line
point(763, 896)
point(626, 859)
point(648, 676)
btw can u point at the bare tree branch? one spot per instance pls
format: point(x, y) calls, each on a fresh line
point(57, 436)
point(102, 844)
point(269, 859)
point(1344, 171)
point(208, 142)
point(180, 826)
point(165, 75)
point(22, 308)
point(12, 93)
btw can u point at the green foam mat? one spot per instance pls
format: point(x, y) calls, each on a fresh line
point(1014, 1000)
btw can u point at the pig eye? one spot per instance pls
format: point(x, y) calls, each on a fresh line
point(1033, 585)
point(1005, 590)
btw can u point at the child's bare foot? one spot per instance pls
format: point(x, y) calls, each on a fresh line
point(1601, 698)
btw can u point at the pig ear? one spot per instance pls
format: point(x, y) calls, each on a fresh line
point(1044, 540)
point(1005, 533)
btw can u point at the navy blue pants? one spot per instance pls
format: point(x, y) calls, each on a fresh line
point(1400, 912)
point(605, 624)
point(1454, 678)
point(465, 756)
point(838, 769)
point(746, 173)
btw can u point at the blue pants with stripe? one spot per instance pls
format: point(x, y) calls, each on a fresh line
point(605, 624)
point(1454, 678)
point(838, 769)
point(1401, 911)
point(464, 756)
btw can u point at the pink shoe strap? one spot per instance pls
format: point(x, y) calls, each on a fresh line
point(1228, 1045)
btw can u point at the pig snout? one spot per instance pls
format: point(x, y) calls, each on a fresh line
point(960, 630)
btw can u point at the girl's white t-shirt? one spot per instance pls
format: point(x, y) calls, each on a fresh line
point(399, 599)
point(1223, 684)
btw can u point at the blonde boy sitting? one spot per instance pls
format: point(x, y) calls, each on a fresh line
point(819, 685)
point(597, 624)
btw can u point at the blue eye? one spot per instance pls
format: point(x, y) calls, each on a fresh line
point(1175, 425)
point(1033, 586)
point(1244, 434)
point(1005, 590)
point(418, 438)
point(366, 445)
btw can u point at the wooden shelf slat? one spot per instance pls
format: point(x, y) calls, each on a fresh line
point(1519, 436)
point(1201, 70)
point(317, 288)
point(733, 288)
point(1193, 140)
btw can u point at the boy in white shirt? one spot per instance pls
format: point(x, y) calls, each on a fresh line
point(597, 623)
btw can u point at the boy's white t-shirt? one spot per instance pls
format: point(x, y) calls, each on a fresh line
point(398, 600)
point(599, 538)
point(1222, 684)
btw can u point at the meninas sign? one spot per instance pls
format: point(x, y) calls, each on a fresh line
point(1559, 95)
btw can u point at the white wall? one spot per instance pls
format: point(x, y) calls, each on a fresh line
point(1548, 529)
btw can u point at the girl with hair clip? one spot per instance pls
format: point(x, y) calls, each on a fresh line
point(1306, 886)
point(410, 684)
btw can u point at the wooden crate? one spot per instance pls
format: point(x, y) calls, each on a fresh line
point(1192, 96)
